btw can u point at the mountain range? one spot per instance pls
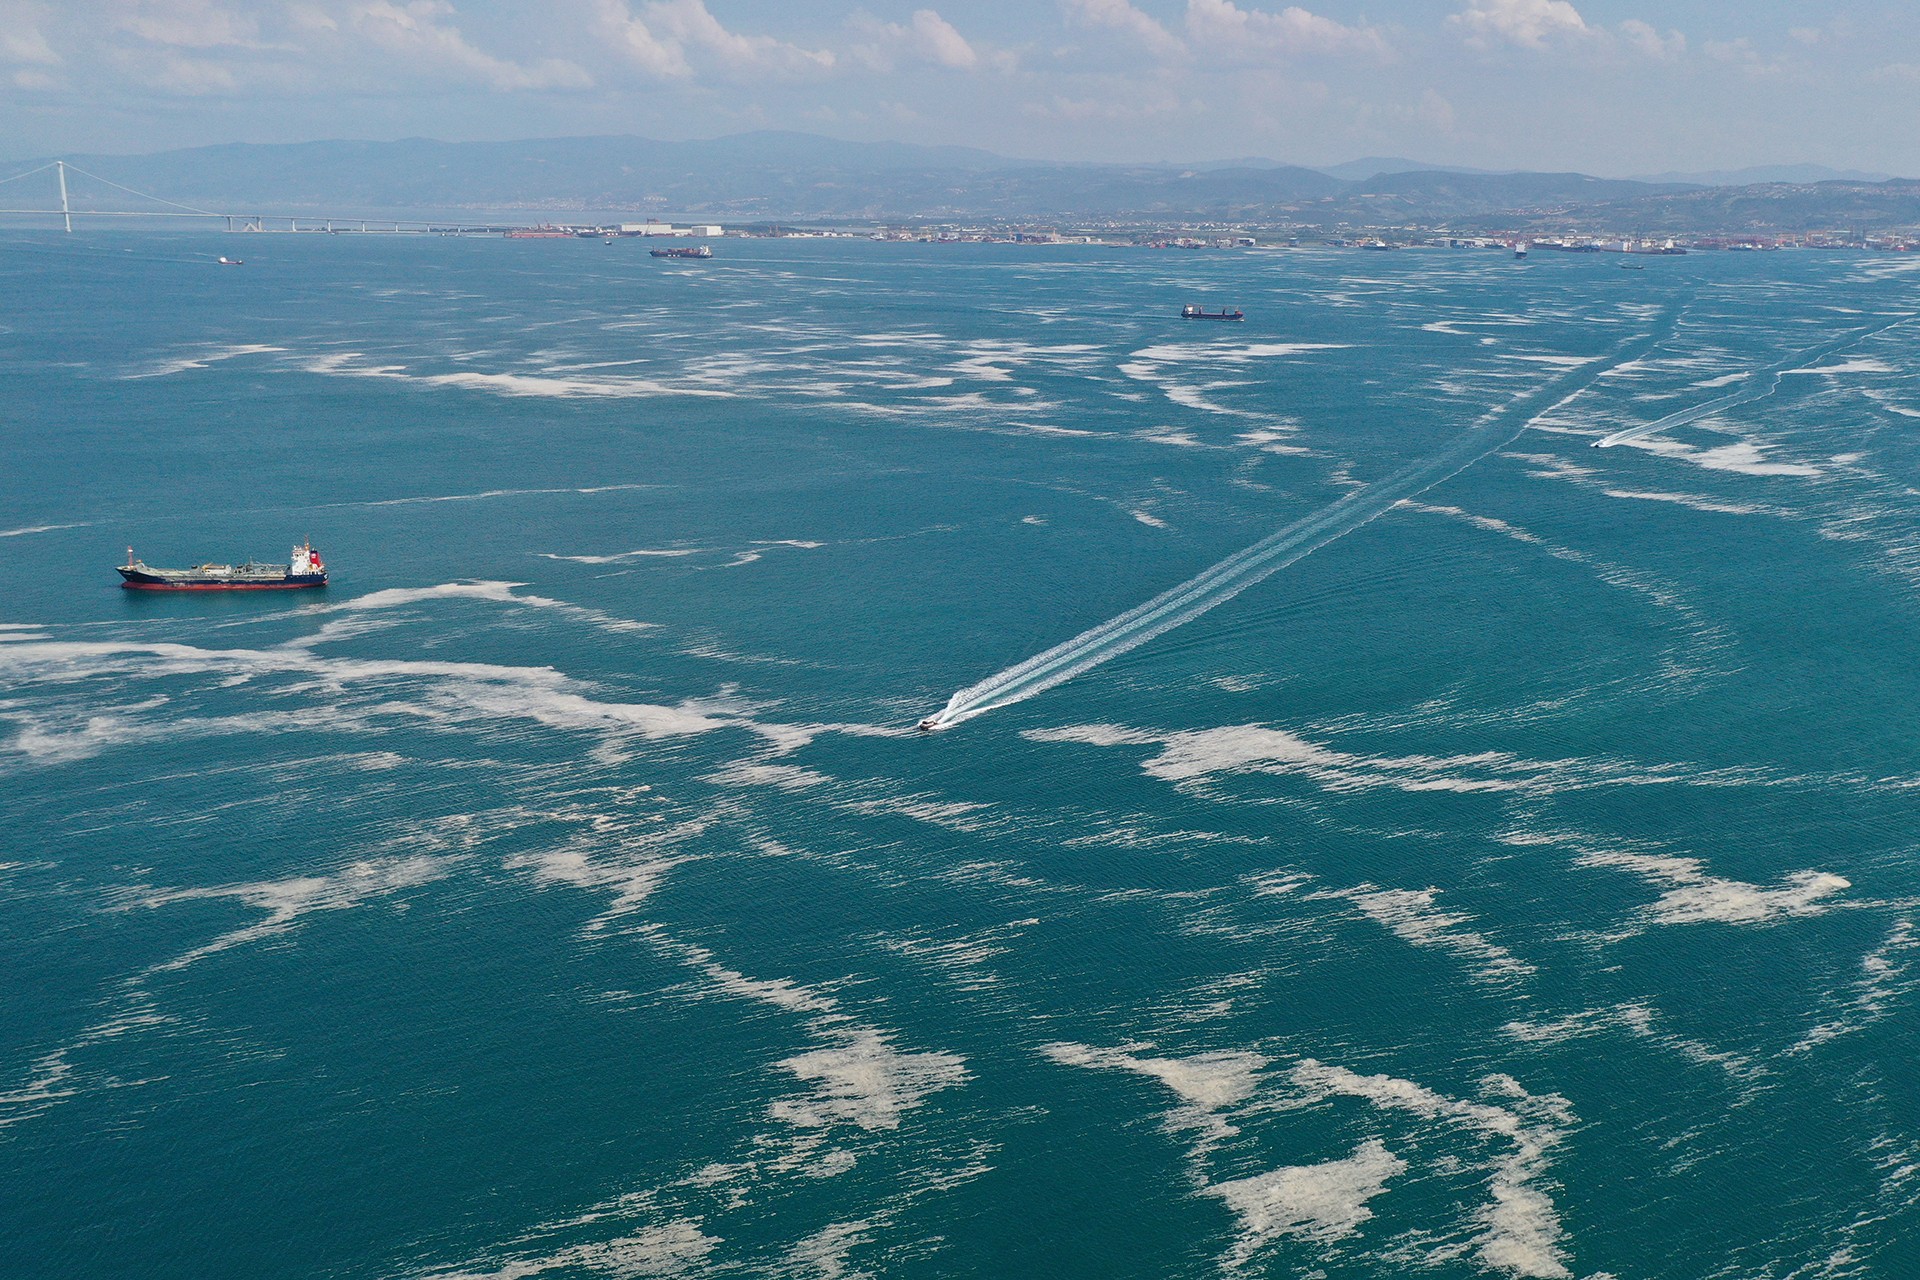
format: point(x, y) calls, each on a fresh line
point(778, 176)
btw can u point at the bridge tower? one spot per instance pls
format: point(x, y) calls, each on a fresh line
point(60, 167)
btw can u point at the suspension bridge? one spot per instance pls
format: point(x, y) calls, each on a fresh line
point(66, 213)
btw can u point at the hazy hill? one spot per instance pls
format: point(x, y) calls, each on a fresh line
point(1373, 166)
point(754, 175)
point(801, 177)
point(1765, 173)
point(770, 171)
point(1444, 193)
point(1770, 208)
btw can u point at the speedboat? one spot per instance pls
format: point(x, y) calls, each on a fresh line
point(929, 724)
point(232, 262)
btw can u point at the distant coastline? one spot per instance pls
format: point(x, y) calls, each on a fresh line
point(764, 181)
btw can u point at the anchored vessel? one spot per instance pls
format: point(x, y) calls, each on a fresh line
point(702, 252)
point(1191, 312)
point(305, 569)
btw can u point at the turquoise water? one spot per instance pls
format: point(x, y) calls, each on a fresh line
point(1520, 884)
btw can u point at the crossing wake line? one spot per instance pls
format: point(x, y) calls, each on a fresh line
point(1222, 582)
point(1757, 385)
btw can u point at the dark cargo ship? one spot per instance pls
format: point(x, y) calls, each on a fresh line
point(304, 569)
point(1191, 312)
point(702, 252)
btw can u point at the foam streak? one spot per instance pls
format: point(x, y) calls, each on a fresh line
point(1756, 386)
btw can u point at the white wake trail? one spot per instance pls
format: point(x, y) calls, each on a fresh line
point(1222, 582)
point(1757, 385)
point(1756, 389)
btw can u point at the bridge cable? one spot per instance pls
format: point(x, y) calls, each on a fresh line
point(142, 194)
point(29, 173)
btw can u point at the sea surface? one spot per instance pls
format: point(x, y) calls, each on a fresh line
point(1521, 884)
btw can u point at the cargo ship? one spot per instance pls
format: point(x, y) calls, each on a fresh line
point(304, 569)
point(1191, 312)
point(702, 252)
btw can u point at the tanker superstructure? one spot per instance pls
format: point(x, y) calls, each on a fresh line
point(303, 569)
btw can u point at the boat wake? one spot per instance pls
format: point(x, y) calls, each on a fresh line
point(1227, 579)
point(1757, 385)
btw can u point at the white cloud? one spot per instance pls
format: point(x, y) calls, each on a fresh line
point(666, 38)
point(635, 41)
point(1528, 23)
point(190, 77)
point(1436, 112)
point(1131, 103)
point(1224, 27)
point(1223, 31)
point(194, 24)
point(689, 25)
point(1431, 113)
point(413, 31)
point(21, 40)
point(311, 18)
point(1741, 53)
point(928, 38)
point(935, 40)
point(1643, 36)
point(1118, 15)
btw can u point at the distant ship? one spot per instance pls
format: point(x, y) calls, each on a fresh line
point(702, 252)
point(1520, 249)
point(1191, 312)
point(233, 262)
point(305, 569)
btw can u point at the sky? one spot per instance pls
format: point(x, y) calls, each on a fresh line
point(1612, 87)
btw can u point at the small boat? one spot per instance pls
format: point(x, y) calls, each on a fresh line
point(928, 725)
point(1191, 312)
point(233, 262)
point(702, 252)
point(304, 569)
